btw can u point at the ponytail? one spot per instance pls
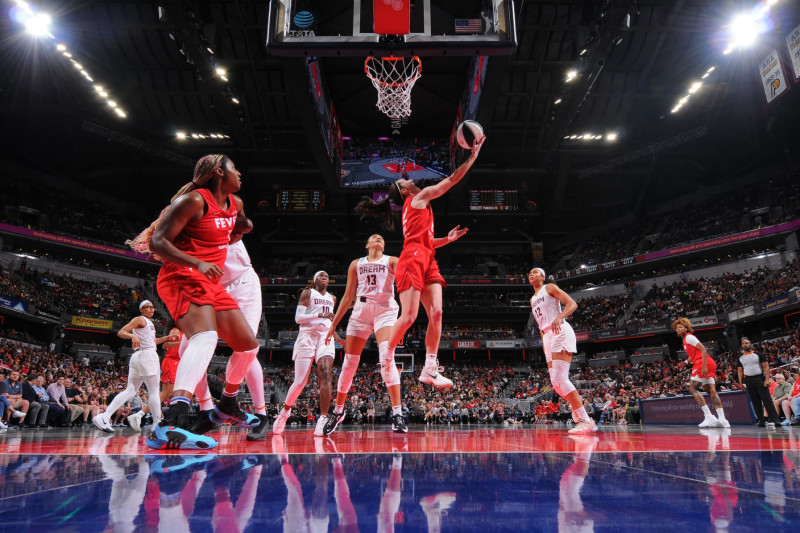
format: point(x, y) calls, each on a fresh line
point(203, 171)
point(367, 207)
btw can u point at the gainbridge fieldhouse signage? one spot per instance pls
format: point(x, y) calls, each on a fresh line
point(88, 322)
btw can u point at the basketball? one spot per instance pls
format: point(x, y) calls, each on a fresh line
point(467, 132)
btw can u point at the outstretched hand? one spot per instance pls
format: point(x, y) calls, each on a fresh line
point(456, 233)
point(476, 145)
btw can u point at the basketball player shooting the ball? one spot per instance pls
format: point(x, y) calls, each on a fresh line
point(417, 275)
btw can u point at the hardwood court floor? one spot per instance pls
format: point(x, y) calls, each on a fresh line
point(656, 478)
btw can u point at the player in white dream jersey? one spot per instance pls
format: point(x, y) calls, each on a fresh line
point(558, 342)
point(370, 282)
point(143, 366)
point(241, 281)
point(314, 314)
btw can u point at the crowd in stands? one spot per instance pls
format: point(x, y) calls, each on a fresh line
point(724, 214)
point(54, 212)
point(776, 283)
point(58, 294)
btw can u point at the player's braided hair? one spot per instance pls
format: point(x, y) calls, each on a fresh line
point(367, 207)
point(203, 172)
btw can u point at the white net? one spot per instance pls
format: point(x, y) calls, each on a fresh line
point(394, 77)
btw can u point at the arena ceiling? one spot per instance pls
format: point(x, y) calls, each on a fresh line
point(633, 75)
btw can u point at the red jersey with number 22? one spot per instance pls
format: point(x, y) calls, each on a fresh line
point(417, 225)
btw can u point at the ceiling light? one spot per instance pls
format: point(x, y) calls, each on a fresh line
point(684, 99)
point(120, 112)
point(220, 71)
point(195, 136)
point(744, 30)
point(61, 47)
point(38, 24)
point(557, 101)
point(676, 109)
point(695, 87)
point(584, 51)
point(180, 135)
point(235, 100)
point(104, 94)
point(77, 66)
point(111, 103)
point(210, 51)
point(611, 136)
point(710, 70)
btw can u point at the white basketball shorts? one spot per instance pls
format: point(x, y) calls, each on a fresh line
point(370, 316)
point(554, 343)
point(144, 363)
point(311, 345)
point(247, 292)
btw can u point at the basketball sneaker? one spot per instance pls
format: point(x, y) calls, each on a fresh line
point(280, 421)
point(203, 424)
point(435, 506)
point(722, 423)
point(229, 413)
point(584, 426)
point(135, 420)
point(102, 422)
point(166, 437)
point(260, 431)
point(710, 421)
point(398, 424)
point(430, 375)
point(333, 422)
point(319, 430)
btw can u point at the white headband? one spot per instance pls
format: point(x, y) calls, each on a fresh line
point(317, 275)
point(144, 302)
point(540, 270)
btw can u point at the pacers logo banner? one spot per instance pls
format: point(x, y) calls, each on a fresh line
point(772, 77)
point(87, 322)
point(793, 45)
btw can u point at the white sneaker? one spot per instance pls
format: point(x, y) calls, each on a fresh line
point(584, 426)
point(3, 425)
point(430, 375)
point(709, 422)
point(319, 430)
point(135, 420)
point(18, 414)
point(723, 423)
point(280, 422)
point(102, 423)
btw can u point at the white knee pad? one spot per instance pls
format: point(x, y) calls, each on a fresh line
point(238, 365)
point(559, 376)
point(389, 371)
point(349, 368)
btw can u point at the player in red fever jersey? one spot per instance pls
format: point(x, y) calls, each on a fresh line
point(191, 237)
point(417, 276)
point(703, 371)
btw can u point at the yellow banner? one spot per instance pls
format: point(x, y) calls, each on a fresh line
point(92, 322)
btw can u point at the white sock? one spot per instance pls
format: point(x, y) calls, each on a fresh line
point(431, 359)
point(720, 413)
point(582, 415)
point(706, 411)
point(338, 409)
point(396, 410)
point(194, 362)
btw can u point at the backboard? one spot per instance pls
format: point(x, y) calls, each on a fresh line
point(436, 27)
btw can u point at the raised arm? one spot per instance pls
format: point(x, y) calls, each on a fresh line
point(427, 194)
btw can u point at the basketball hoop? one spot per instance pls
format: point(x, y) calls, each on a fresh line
point(393, 77)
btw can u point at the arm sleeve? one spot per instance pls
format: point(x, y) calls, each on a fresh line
point(303, 317)
point(762, 358)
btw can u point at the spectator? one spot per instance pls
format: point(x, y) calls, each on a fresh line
point(39, 408)
point(11, 388)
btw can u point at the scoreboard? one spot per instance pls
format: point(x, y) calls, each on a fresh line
point(300, 200)
point(493, 200)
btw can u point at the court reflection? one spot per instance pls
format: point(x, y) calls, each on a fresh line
point(581, 490)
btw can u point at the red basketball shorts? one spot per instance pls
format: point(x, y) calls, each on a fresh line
point(181, 287)
point(417, 268)
point(169, 367)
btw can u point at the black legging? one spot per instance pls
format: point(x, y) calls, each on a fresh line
point(759, 395)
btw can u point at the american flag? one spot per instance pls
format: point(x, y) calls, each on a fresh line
point(468, 26)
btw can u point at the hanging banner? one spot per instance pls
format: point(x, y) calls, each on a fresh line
point(793, 45)
point(772, 78)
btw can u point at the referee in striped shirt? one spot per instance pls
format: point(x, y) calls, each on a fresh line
point(753, 370)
